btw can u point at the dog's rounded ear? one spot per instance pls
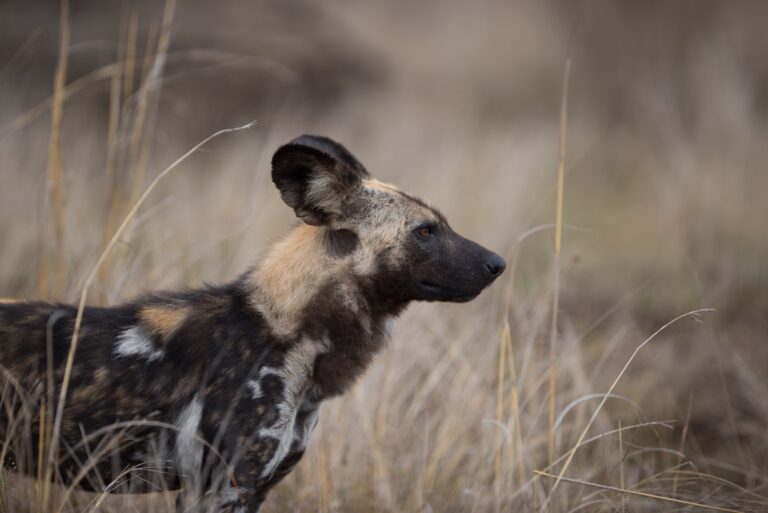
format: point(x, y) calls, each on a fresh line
point(315, 175)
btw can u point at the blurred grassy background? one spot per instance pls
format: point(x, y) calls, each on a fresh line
point(459, 103)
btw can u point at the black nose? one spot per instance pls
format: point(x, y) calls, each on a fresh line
point(495, 265)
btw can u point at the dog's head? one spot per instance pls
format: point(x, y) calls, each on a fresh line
point(396, 244)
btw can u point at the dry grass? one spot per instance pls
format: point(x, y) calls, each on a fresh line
point(662, 213)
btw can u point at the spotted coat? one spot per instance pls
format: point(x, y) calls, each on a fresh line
point(220, 387)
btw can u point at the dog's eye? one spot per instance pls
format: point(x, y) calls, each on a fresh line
point(425, 230)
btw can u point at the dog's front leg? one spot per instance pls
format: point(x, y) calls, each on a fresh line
point(250, 490)
point(231, 499)
point(249, 501)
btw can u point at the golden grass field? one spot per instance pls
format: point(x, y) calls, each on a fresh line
point(663, 214)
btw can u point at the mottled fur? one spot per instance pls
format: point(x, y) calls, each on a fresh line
point(238, 371)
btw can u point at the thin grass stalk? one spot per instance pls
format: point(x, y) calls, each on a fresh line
point(3, 495)
point(46, 422)
point(683, 438)
point(140, 116)
point(130, 58)
point(41, 272)
point(721, 481)
point(54, 188)
point(621, 467)
point(516, 446)
point(115, 107)
point(89, 456)
point(115, 93)
point(149, 88)
point(40, 454)
point(148, 98)
point(22, 52)
point(74, 87)
point(55, 166)
point(154, 80)
point(558, 245)
point(500, 410)
point(323, 475)
point(48, 284)
point(639, 494)
point(691, 314)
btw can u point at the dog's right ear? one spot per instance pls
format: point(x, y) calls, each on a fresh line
point(315, 175)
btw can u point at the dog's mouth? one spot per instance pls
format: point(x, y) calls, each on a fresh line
point(435, 292)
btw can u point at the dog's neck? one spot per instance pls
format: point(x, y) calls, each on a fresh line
point(308, 289)
point(308, 272)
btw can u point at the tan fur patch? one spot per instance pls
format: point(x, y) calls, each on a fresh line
point(292, 274)
point(163, 319)
point(87, 394)
point(7, 300)
point(101, 375)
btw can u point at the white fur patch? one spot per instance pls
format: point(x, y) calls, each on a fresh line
point(389, 325)
point(189, 450)
point(255, 388)
point(230, 496)
point(310, 422)
point(283, 432)
point(271, 371)
point(296, 378)
point(254, 385)
point(134, 342)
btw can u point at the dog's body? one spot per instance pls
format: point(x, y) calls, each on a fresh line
point(232, 377)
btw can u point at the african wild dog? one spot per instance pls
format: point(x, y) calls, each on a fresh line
point(240, 370)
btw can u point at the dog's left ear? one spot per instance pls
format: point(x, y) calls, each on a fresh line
point(314, 176)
